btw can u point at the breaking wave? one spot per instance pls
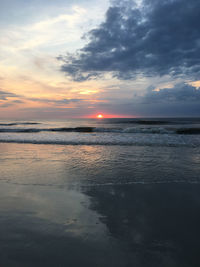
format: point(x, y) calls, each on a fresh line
point(143, 130)
point(98, 143)
point(19, 123)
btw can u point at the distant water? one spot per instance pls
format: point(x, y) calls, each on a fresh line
point(149, 132)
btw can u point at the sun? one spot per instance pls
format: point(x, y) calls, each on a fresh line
point(100, 116)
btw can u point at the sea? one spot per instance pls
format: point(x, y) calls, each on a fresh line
point(100, 192)
point(142, 132)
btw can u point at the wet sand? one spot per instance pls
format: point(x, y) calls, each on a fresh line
point(99, 206)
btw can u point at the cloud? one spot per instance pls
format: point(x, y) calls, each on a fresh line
point(57, 102)
point(7, 99)
point(4, 95)
point(180, 100)
point(180, 93)
point(154, 38)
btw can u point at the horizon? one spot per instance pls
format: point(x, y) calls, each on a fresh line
point(96, 118)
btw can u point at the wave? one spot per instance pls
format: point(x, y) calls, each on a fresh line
point(76, 129)
point(107, 184)
point(15, 130)
point(188, 131)
point(149, 122)
point(36, 130)
point(102, 142)
point(136, 130)
point(88, 143)
point(136, 121)
point(146, 121)
point(19, 123)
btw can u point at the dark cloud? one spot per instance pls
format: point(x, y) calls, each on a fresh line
point(18, 101)
point(6, 101)
point(58, 102)
point(68, 101)
point(180, 101)
point(157, 38)
point(4, 95)
point(179, 93)
point(6, 105)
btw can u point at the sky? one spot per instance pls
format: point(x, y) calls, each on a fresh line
point(70, 59)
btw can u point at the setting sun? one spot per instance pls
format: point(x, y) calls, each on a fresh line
point(100, 116)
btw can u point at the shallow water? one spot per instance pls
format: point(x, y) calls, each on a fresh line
point(99, 206)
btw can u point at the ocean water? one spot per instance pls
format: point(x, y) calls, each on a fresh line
point(119, 193)
point(150, 132)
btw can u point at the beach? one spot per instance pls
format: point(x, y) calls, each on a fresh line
point(99, 205)
point(100, 133)
point(58, 210)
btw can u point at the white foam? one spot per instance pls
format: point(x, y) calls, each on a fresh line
point(102, 139)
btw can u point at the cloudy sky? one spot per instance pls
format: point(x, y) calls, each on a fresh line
point(66, 58)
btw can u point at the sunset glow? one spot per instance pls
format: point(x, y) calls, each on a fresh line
point(100, 116)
